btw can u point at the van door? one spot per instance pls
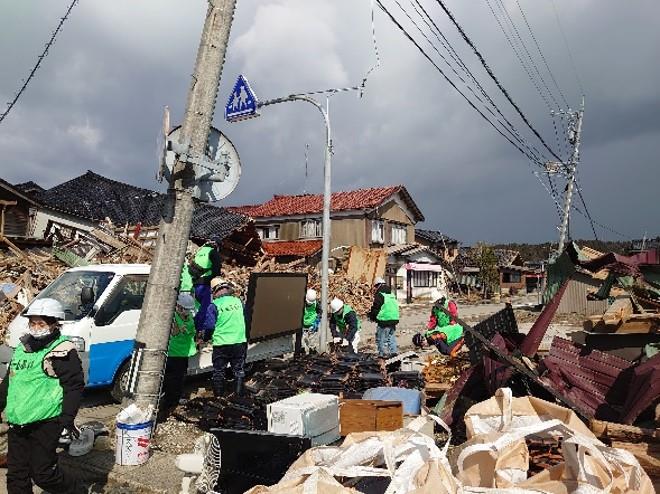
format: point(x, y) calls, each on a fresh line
point(114, 329)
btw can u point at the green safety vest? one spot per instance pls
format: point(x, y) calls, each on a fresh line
point(310, 315)
point(452, 331)
point(32, 395)
point(389, 311)
point(182, 343)
point(340, 320)
point(203, 260)
point(230, 324)
point(442, 317)
point(186, 284)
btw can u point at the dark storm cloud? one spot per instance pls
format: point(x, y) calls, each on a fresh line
point(97, 104)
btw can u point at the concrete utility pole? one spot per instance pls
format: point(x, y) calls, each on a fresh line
point(154, 328)
point(574, 139)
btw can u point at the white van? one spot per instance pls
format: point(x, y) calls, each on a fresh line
point(102, 305)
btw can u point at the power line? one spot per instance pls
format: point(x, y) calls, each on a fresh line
point(586, 210)
point(568, 48)
point(538, 47)
point(407, 35)
point(504, 10)
point(510, 129)
point(433, 27)
point(494, 78)
point(11, 104)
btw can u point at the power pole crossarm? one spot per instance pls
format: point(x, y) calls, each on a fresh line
point(154, 327)
point(572, 166)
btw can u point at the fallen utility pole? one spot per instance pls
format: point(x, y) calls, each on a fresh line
point(574, 139)
point(154, 328)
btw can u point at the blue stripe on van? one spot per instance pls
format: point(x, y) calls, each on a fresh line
point(105, 359)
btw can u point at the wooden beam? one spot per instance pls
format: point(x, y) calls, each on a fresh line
point(620, 432)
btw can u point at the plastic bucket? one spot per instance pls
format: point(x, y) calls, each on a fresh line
point(133, 443)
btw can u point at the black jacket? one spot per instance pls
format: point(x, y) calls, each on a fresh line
point(351, 326)
point(378, 302)
point(69, 371)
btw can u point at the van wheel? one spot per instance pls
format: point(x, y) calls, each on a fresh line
point(120, 383)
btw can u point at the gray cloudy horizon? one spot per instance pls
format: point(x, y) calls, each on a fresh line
point(97, 102)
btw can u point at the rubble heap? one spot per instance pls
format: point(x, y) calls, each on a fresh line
point(345, 375)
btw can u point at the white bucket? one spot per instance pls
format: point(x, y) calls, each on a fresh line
point(133, 443)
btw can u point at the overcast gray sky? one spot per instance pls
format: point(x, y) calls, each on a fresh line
point(97, 103)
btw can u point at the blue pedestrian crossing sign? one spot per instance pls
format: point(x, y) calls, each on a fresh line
point(242, 103)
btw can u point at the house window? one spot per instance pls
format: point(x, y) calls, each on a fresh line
point(511, 278)
point(269, 232)
point(424, 279)
point(311, 229)
point(399, 235)
point(377, 232)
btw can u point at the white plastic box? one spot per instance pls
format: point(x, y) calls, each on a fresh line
point(310, 415)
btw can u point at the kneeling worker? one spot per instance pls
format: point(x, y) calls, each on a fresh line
point(41, 396)
point(442, 331)
point(225, 326)
point(344, 325)
point(182, 346)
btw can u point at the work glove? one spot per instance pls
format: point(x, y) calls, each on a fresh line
point(69, 428)
point(336, 340)
point(344, 342)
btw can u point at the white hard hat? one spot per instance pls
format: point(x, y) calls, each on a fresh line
point(83, 444)
point(218, 282)
point(336, 305)
point(47, 307)
point(310, 296)
point(379, 281)
point(186, 301)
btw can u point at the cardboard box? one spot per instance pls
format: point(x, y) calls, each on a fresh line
point(370, 415)
point(312, 415)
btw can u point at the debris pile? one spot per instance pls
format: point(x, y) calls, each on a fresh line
point(345, 375)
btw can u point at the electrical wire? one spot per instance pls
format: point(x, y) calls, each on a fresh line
point(437, 32)
point(437, 67)
point(568, 48)
point(584, 205)
point(494, 78)
point(538, 47)
point(40, 59)
point(508, 128)
point(535, 67)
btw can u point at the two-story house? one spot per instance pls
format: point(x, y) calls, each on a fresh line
point(375, 217)
point(291, 227)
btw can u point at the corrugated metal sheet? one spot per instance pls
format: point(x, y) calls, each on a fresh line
point(575, 298)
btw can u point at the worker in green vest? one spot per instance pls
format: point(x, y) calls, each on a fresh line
point(181, 347)
point(385, 313)
point(344, 325)
point(225, 327)
point(40, 397)
point(311, 319)
point(197, 274)
point(442, 330)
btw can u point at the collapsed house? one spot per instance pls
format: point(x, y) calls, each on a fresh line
point(71, 211)
point(595, 383)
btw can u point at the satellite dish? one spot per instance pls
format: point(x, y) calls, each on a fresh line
point(217, 173)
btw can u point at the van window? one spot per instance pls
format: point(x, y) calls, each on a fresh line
point(127, 295)
point(68, 287)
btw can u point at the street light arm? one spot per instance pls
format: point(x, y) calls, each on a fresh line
point(325, 256)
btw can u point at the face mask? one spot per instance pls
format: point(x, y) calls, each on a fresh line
point(39, 333)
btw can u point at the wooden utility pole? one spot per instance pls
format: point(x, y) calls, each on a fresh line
point(154, 329)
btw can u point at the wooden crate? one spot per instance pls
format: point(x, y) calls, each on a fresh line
point(369, 415)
